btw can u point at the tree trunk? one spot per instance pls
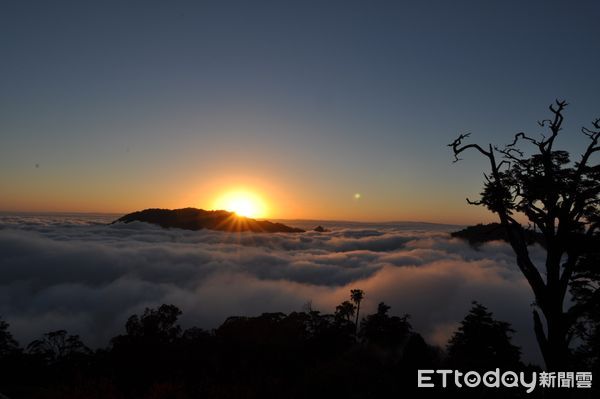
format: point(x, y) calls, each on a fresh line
point(553, 342)
point(357, 313)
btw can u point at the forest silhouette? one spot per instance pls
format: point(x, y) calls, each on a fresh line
point(296, 355)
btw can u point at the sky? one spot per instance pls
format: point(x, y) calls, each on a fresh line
point(117, 106)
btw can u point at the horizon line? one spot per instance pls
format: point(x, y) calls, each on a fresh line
point(391, 221)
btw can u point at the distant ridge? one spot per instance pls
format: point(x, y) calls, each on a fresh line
point(483, 233)
point(198, 219)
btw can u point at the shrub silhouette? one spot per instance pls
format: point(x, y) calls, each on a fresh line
point(8, 345)
point(58, 346)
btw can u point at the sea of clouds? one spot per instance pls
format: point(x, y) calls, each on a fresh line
point(78, 273)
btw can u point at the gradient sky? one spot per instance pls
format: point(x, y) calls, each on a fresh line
point(133, 104)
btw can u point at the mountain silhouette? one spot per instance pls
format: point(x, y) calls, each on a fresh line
point(483, 233)
point(198, 219)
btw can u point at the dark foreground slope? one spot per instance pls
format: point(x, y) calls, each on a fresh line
point(197, 219)
point(300, 355)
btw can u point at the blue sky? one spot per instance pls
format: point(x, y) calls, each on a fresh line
point(133, 104)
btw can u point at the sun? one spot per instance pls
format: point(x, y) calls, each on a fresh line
point(243, 203)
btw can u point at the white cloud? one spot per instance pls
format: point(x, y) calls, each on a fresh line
point(89, 277)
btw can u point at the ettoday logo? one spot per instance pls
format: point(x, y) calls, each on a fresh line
point(507, 379)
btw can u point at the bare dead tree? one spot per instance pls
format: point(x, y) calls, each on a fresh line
point(560, 198)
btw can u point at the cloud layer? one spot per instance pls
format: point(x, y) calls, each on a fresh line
point(79, 274)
